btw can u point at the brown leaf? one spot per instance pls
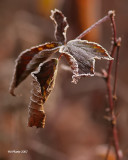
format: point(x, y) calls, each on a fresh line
point(73, 64)
point(61, 25)
point(29, 60)
point(43, 84)
point(84, 53)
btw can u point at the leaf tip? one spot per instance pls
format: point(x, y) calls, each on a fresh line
point(53, 12)
point(111, 58)
point(11, 91)
point(75, 79)
point(108, 56)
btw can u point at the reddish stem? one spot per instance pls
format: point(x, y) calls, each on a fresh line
point(110, 95)
point(115, 45)
point(116, 68)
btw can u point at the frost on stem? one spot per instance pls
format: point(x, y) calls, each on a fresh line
point(111, 13)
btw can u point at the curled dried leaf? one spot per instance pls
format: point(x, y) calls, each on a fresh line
point(43, 84)
point(61, 25)
point(84, 53)
point(29, 60)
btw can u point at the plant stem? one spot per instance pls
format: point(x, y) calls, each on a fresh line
point(115, 45)
point(116, 69)
point(110, 96)
point(104, 19)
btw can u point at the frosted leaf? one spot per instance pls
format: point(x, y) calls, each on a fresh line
point(43, 84)
point(29, 60)
point(85, 53)
point(61, 25)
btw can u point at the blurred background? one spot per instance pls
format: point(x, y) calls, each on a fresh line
point(75, 125)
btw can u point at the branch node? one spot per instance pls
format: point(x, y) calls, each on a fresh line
point(111, 13)
point(119, 41)
point(114, 97)
point(113, 119)
point(113, 122)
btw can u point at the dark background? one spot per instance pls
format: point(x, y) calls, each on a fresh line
point(75, 125)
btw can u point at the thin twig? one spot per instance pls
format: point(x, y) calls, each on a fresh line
point(110, 96)
point(98, 74)
point(116, 68)
point(111, 15)
point(104, 19)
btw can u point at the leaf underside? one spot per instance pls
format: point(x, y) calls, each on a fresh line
point(43, 84)
point(29, 60)
point(84, 53)
point(61, 25)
